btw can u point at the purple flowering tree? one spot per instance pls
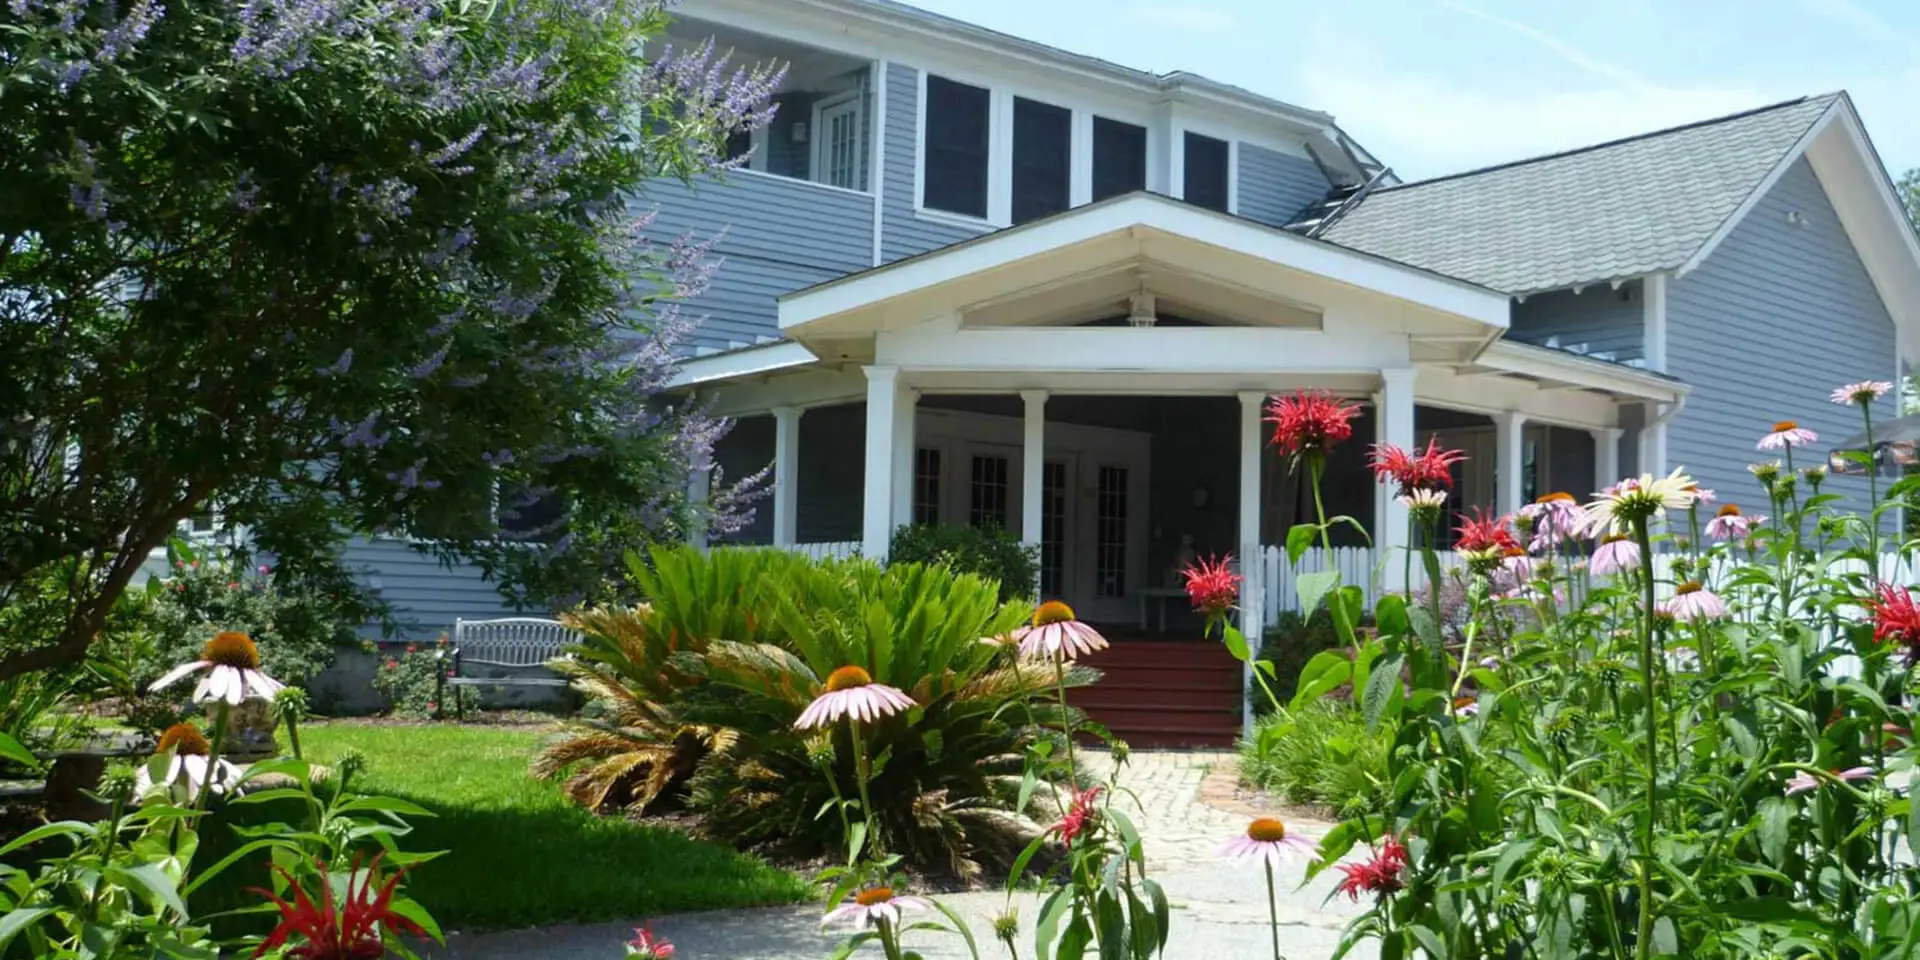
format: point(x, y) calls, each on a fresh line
point(326, 267)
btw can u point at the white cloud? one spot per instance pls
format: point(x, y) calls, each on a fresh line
point(1193, 19)
point(1560, 48)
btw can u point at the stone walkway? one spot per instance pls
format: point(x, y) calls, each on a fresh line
point(1219, 906)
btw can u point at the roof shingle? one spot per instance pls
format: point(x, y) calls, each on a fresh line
point(1619, 209)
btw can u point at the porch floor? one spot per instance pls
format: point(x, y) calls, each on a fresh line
point(1163, 690)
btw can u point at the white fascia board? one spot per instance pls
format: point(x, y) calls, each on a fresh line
point(1759, 191)
point(1494, 396)
point(748, 362)
point(1225, 350)
point(1566, 369)
point(1009, 246)
point(1875, 220)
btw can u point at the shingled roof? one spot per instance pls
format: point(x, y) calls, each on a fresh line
point(1614, 210)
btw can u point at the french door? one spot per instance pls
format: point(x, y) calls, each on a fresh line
point(836, 153)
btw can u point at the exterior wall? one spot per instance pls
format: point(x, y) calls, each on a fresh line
point(1777, 316)
point(426, 596)
point(903, 233)
point(779, 235)
point(1275, 187)
point(1599, 320)
point(1570, 462)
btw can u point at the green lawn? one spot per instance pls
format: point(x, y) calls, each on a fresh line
point(520, 855)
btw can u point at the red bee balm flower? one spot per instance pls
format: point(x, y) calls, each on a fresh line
point(1895, 618)
point(1379, 876)
point(1484, 532)
point(1310, 421)
point(1080, 815)
point(1212, 586)
point(1431, 469)
point(351, 933)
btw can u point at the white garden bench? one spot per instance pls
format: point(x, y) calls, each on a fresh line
point(507, 642)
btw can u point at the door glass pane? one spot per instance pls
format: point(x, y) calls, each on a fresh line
point(843, 145)
point(987, 497)
point(1053, 528)
point(926, 486)
point(1110, 534)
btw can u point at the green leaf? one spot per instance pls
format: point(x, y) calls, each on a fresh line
point(1326, 670)
point(1776, 826)
point(412, 910)
point(150, 877)
point(1047, 926)
point(1390, 615)
point(17, 920)
point(1237, 644)
point(1383, 694)
point(1299, 540)
point(1313, 587)
point(12, 750)
point(1516, 850)
point(385, 804)
point(1429, 941)
point(960, 925)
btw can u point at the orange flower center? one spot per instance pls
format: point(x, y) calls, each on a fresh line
point(846, 678)
point(1514, 552)
point(1690, 586)
point(231, 648)
point(184, 739)
point(1613, 538)
point(1557, 495)
point(1267, 830)
point(1729, 510)
point(1053, 611)
point(1461, 703)
point(873, 895)
point(1785, 425)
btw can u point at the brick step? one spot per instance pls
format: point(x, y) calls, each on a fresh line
point(1169, 678)
point(1200, 702)
point(1170, 721)
point(1179, 740)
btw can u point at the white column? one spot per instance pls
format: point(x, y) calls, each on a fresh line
point(786, 476)
point(906, 401)
point(1253, 600)
point(876, 502)
point(1033, 458)
point(1606, 457)
point(1393, 423)
point(699, 486)
point(1510, 430)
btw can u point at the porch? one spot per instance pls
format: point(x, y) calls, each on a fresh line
point(1095, 383)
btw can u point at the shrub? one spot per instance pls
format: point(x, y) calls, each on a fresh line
point(991, 553)
point(299, 626)
point(701, 687)
point(411, 683)
point(1321, 755)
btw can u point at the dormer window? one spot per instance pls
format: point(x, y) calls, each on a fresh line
point(1206, 172)
point(956, 147)
point(1042, 159)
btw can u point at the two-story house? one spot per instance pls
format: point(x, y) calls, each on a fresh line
point(972, 279)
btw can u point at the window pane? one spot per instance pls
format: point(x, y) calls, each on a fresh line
point(1206, 164)
point(1053, 528)
point(926, 486)
point(1110, 534)
point(739, 145)
point(987, 501)
point(1042, 158)
point(956, 174)
point(1119, 158)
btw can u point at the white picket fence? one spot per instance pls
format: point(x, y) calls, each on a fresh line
point(836, 550)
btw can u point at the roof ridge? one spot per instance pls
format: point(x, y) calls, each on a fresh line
point(1576, 151)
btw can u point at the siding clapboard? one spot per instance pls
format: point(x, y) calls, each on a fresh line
point(902, 233)
point(781, 235)
point(1275, 187)
point(426, 597)
point(1598, 320)
point(1777, 316)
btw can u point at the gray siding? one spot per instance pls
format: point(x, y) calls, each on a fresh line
point(426, 597)
point(1777, 316)
point(781, 235)
point(1598, 320)
point(1275, 187)
point(904, 234)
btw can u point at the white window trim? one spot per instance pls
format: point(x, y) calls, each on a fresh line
point(818, 147)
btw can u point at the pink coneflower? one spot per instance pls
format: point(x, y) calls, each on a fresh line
point(232, 665)
point(188, 765)
point(1703, 496)
point(1616, 554)
point(1730, 524)
point(1803, 781)
point(1695, 603)
point(1614, 509)
point(1212, 586)
point(851, 692)
point(1056, 635)
point(1268, 839)
point(1556, 520)
point(1786, 434)
point(1466, 706)
point(874, 906)
point(1860, 394)
point(1424, 505)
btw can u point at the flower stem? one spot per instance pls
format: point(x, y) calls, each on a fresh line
point(1066, 720)
point(1273, 911)
point(213, 754)
point(1315, 467)
point(1650, 699)
point(861, 770)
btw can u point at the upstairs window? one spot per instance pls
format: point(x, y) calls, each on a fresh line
point(1119, 158)
point(955, 178)
point(1206, 166)
point(1042, 159)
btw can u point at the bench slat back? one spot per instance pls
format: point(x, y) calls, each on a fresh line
point(511, 641)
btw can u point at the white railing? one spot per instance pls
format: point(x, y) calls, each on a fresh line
point(837, 550)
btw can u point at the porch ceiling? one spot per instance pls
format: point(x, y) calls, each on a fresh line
point(1086, 263)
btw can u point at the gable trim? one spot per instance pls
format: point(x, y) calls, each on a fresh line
point(1759, 191)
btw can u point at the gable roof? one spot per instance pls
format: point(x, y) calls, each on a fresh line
point(1620, 209)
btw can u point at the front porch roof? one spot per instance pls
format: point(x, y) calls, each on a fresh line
point(1073, 266)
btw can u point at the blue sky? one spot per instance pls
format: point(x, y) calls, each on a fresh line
point(1436, 86)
